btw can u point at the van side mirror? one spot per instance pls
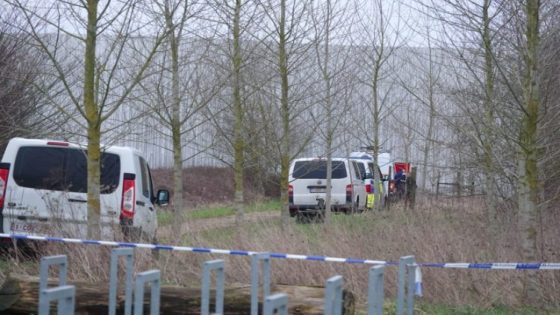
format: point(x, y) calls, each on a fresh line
point(162, 197)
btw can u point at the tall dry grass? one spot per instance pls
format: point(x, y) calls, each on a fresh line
point(436, 231)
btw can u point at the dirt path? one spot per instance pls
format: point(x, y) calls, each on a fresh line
point(198, 225)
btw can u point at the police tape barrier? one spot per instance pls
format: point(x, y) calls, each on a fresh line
point(494, 266)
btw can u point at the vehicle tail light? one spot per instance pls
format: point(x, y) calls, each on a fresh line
point(349, 191)
point(128, 196)
point(58, 143)
point(368, 188)
point(4, 172)
point(290, 194)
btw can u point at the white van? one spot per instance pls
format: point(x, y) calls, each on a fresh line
point(384, 164)
point(308, 185)
point(366, 168)
point(43, 186)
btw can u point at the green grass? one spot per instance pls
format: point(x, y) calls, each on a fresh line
point(164, 217)
point(429, 309)
point(467, 310)
point(211, 212)
point(217, 211)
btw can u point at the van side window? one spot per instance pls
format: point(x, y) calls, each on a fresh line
point(144, 173)
point(371, 169)
point(357, 174)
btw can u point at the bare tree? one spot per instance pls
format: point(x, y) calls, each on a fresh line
point(286, 42)
point(379, 28)
point(103, 87)
point(331, 22)
point(476, 23)
point(25, 112)
point(529, 148)
point(181, 87)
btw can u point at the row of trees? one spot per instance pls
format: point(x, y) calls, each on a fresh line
point(255, 83)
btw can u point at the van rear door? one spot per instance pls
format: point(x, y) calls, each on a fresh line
point(47, 190)
point(310, 181)
point(46, 194)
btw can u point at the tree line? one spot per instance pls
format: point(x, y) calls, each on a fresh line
point(463, 87)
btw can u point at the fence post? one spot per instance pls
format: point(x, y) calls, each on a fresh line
point(375, 292)
point(402, 282)
point(276, 304)
point(59, 261)
point(115, 254)
point(411, 274)
point(65, 295)
point(152, 277)
point(208, 266)
point(255, 264)
point(333, 296)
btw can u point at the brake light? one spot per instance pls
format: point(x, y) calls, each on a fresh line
point(349, 191)
point(290, 194)
point(4, 172)
point(58, 143)
point(368, 188)
point(128, 196)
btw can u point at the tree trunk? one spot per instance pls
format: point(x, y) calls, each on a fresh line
point(19, 295)
point(329, 107)
point(93, 126)
point(175, 120)
point(285, 114)
point(432, 109)
point(239, 143)
point(528, 173)
point(488, 123)
point(376, 123)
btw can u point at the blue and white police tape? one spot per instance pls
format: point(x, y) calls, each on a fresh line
point(498, 266)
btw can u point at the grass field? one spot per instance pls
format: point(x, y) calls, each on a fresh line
point(218, 210)
point(442, 231)
point(439, 232)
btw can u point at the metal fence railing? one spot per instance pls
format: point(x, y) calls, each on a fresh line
point(272, 303)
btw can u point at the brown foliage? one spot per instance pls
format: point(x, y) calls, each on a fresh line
point(204, 184)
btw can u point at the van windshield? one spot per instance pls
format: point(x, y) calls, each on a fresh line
point(62, 169)
point(318, 169)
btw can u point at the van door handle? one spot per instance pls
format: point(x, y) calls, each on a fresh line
point(140, 203)
point(77, 200)
point(151, 208)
